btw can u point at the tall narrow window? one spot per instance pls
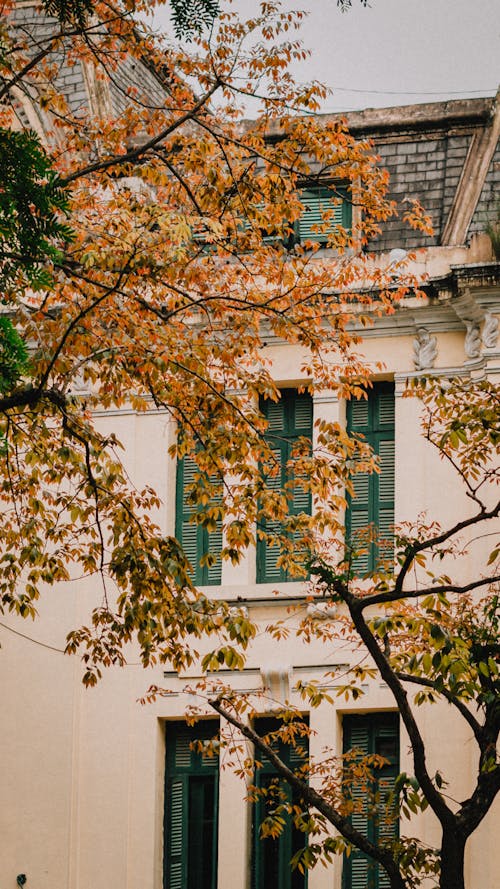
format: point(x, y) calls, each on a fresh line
point(373, 503)
point(272, 856)
point(191, 801)
point(202, 543)
point(288, 420)
point(375, 733)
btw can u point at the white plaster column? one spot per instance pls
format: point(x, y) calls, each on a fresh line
point(234, 823)
point(245, 572)
point(409, 467)
point(325, 733)
point(326, 406)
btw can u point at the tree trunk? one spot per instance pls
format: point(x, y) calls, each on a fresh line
point(452, 860)
point(397, 881)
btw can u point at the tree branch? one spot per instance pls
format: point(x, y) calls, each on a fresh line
point(432, 795)
point(452, 699)
point(313, 798)
point(136, 153)
point(395, 595)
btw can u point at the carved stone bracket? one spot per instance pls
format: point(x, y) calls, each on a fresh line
point(472, 342)
point(490, 331)
point(276, 680)
point(424, 349)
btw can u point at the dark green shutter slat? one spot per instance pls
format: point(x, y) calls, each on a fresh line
point(377, 733)
point(316, 200)
point(274, 481)
point(302, 413)
point(357, 738)
point(359, 521)
point(176, 813)
point(189, 539)
point(177, 820)
point(386, 498)
point(373, 503)
point(189, 472)
point(386, 476)
point(196, 540)
point(271, 858)
point(358, 410)
point(386, 408)
point(183, 750)
point(271, 571)
point(214, 546)
point(385, 533)
point(275, 412)
point(359, 872)
point(191, 800)
point(288, 420)
point(301, 501)
point(361, 485)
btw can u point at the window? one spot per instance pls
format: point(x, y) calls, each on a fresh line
point(378, 733)
point(197, 540)
point(316, 199)
point(271, 857)
point(191, 804)
point(373, 503)
point(288, 419)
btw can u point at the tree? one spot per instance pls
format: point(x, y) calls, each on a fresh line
point(431, 635)
point(147, 255)
point(191, 221)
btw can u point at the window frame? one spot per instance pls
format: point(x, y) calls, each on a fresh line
point(333, 190)
point(287, 879)
point(378, 726)
point(284, 439)
point(199, 541)
point(185, 770)
point(376, 433)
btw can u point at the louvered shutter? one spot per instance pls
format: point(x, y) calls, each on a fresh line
point(384, 410)
point(196, 540)
point(359, 521)
point(288, 419)
point(373, 500)
point(386, 744)
point(212, 540)
point(356, 865)
point(301, 497)
point(372, 734)
point(176, 792)
point(191, 783)
point(386, 498)
point(315, 201)
point(269, 551)
point(271, 857)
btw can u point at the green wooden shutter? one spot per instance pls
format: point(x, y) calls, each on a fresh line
point(191, 809)
point(288, 420)
point(377, 733)
point(315, 200)
point(373, 500)
point(271, 857)
point(195, 539)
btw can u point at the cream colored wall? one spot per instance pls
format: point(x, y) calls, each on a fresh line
point(82, 770)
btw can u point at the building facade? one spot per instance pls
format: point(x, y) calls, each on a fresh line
point(99, 790)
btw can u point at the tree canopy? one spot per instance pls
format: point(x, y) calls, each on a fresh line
point(148, 252)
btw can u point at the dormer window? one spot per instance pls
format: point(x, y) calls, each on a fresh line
point(325, 208)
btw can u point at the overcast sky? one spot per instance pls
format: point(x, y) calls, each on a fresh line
point(397, 51)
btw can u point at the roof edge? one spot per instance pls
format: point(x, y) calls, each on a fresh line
point(426, 116)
